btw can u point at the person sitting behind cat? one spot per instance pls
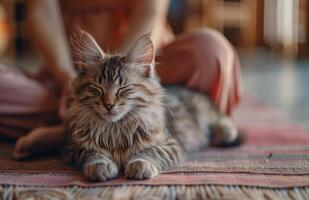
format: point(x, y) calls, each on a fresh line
point(203, 60)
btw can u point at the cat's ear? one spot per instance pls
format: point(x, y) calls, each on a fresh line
point(141, 55)
point(91, 46)
point(86, 50)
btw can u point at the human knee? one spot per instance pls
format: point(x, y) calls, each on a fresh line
point(210, 37)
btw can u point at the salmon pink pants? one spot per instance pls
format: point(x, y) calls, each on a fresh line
point(203, 60)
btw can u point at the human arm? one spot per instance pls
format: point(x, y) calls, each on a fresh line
point(47, 34)
point(148, 16)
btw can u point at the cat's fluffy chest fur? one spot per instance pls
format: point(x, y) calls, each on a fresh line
point(121, 139)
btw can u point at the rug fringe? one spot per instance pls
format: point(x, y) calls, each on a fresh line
point(152, 192)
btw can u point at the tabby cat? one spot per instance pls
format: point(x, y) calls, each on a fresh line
point(122, 120)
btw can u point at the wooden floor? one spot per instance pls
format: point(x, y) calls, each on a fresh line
point(283, 84)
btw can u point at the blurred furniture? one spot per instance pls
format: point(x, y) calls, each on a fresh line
point(304, 35)
point(4, 30)
point(18, 40)
point(281, 24)
point(286, 27)
point(7, 30)
point(239, 15)
point(237, 19)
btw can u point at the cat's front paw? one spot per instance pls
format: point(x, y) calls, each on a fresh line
point(101, 170)
point(141, 169)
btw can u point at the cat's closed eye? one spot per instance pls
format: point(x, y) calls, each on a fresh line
point(122, 90)
point(94, 91)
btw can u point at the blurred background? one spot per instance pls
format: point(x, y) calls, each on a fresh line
point(271, 36)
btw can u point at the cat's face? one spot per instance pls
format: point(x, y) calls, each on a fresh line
point(112, 86)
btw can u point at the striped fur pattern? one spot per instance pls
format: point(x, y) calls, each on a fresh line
point(196, 122)
point(117, 120)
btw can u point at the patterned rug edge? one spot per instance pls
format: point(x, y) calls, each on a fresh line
point(153, 192)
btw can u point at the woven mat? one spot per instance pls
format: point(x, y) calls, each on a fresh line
point(272, 162)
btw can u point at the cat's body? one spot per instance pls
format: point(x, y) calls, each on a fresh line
point(194, 120)
point(122, 120)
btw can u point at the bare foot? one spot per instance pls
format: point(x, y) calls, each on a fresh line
point(39, 140)
point(21, 148)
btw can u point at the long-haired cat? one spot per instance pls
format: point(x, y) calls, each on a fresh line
point(121, 119)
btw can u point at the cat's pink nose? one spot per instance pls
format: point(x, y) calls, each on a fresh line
point(109, 106)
